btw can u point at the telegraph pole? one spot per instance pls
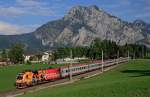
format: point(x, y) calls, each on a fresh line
point(128, 55)
point(117, 57)
point(134, 55)
point(134, 47)
point(70, 67)
point(143, 52)
point(102, 62)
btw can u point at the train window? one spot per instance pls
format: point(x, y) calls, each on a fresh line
point(76, 69)
point(72, 69)
point(19, 77)
point(66, 70)
point(62, 71)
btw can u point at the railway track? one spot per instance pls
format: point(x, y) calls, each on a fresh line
point(17, 92)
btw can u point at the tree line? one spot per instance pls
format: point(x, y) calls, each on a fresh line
point(110, 50)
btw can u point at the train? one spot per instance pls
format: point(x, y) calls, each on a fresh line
point(31, 78)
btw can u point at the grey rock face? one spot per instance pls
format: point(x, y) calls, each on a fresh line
point(81, 25)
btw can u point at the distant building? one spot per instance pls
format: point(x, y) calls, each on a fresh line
point(45, 56)
point(5, 62)
point(27, 58)
point(38, 58)
point(75, 59)
point(80, 58)
point(70, 60)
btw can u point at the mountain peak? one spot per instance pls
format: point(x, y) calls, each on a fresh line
point(94, 7)
point(81, 12)
point(76, 10)
point(79, 7)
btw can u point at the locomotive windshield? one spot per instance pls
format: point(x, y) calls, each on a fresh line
point(19, 77)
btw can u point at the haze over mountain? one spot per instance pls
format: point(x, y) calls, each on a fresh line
point(79, 27)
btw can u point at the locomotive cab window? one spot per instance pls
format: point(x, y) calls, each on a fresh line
point(19, 77)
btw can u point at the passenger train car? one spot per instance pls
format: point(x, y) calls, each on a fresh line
point(30, 78)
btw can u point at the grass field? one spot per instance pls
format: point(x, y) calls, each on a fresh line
point(8, 74)
point(128, 80)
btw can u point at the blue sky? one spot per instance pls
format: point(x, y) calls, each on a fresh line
point(24, 16)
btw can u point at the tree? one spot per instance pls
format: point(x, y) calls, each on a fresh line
point(16, 53)
point(4, 55)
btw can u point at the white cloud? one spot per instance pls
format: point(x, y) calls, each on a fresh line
point(29, 3)
point(26, 7)
point(11, 11)
point(11, 29)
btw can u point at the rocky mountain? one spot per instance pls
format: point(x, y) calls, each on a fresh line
point(80, 26)
point(145, 29)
